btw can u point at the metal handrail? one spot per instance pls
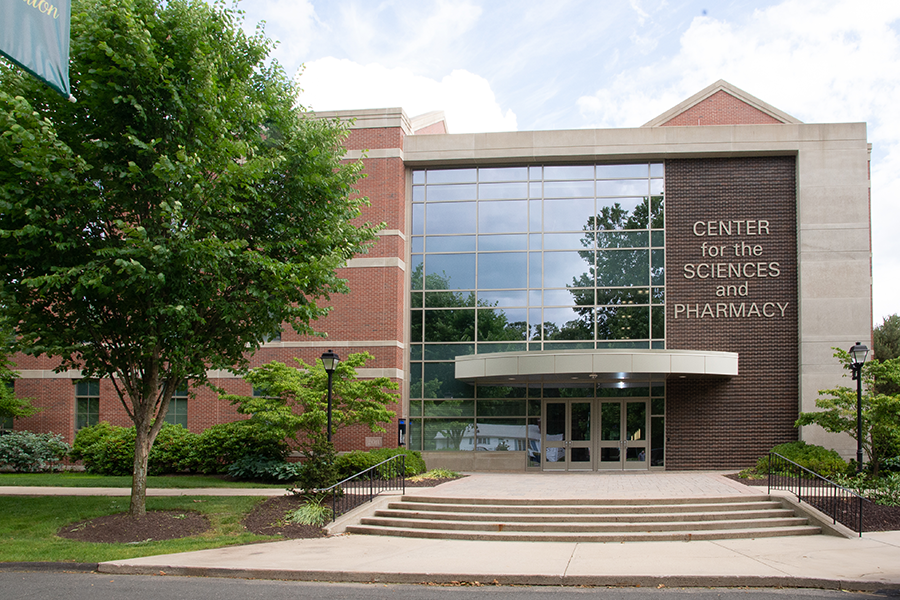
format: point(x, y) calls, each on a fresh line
point(365, 485)
point(827, 496)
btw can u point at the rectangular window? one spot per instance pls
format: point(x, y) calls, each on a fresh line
point(177, 413)
point(87, 403)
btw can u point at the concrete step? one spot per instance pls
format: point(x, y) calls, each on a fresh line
point(585, 520)
point(637, 506)
point(645, 536)
point(582, 527)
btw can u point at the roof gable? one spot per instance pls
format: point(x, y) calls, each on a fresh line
point(721, 104)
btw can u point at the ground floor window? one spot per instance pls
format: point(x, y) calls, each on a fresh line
point(87, 403)
point(558, 428)
point(177, 413)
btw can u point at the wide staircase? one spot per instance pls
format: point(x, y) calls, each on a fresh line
point(556, 520)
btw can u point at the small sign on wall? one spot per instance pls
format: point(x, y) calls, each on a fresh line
point(373, 442)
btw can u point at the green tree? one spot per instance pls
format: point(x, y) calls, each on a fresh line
point(177, 214)
point(11, 407)
point(887, 339)
point(880, 412)
point(294, 400)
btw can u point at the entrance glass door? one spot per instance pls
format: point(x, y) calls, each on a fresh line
point(623, 435)
point(567, 435)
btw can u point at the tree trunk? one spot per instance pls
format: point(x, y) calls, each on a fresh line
point(139, 477)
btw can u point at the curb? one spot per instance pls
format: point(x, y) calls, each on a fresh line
point(59, 567)
point(646, 581)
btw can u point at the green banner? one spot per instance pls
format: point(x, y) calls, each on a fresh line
point(34, 34)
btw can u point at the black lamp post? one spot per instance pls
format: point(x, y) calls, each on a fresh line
point(858, 355)
point(330, 360)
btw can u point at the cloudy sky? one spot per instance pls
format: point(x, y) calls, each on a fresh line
point(507, 65)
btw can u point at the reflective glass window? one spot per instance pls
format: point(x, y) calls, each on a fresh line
point(568, 297)
point(451, 176)
point(500, 408)
point(450, 325)
point(503, 174)
point(448, 435)
point(623, 322)
point(564, 269)
point(488, 243)
point(569, 189)
point(502, 270)
point(450, 243)
point(418, 176)
point(503, 217)
point(568, 323)
point(450, 271)
point(417, 244)
point(623, 296)
point(502, 298)
point(623, 267)
point(448, 193)
point(501, 435)
point(620, 213)
point(623, 187)
point(418, 219)
point(449, 408)
point(447, 351)
point(569, 172)
point(656, 170)
point(418, 193)
point(623, 239)
point(439, 381)
point(502, 191)
point(621, 171)
point(495, 324)
point(448, 299)
point(448, 217)
point(567, 241)
point(568, 215)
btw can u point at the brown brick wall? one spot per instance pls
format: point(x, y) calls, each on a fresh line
point(727, 423)
point(720, 109)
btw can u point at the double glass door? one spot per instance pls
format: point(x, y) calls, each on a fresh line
point(589, 434)
point(623, 435)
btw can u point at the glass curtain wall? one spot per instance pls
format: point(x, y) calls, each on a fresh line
point(529, 259)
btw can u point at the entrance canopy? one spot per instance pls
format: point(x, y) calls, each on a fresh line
point(572, 367)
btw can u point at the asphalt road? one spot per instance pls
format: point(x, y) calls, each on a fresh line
point(27, 585)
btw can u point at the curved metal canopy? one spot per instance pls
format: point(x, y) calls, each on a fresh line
point(574, 367)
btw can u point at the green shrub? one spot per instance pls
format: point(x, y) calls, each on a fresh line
point(171, 451)
point(354, 462)
point(28, 452)
point(87, 437)
point(318, 470)
point(415, 464)
point(221, 445)
point(823, 461)
point(351, 463)
point(261, 468)
point(112, 454)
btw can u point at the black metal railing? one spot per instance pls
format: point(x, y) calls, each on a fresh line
point(358, 489)
point(837, 502)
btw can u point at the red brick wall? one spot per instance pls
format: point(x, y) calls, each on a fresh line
point(721, 109)
point(724, 423)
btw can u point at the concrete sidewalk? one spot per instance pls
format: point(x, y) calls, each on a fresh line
point(868, 563)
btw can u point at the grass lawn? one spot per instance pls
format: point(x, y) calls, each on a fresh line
point(29, 525)
point(81, 479)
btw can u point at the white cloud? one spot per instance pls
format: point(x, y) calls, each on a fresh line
point(819, 61)
point(467, 99)
point(293, 23)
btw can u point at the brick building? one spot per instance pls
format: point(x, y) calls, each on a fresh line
point(664, 297)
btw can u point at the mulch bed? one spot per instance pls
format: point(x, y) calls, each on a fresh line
point(267, 518)
point(875, 516)
point(121, 528)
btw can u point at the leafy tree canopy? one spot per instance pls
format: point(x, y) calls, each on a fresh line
point(294, 401)
point(177, 214)
point(887, 338)
point(880, 412)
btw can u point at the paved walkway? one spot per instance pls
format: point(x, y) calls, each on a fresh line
point(868, 563)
